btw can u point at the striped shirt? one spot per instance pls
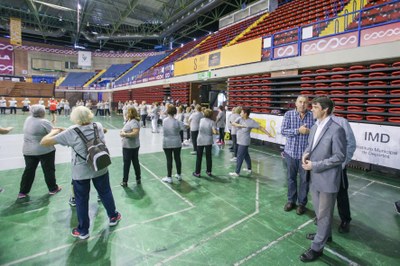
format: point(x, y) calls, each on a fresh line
point(296, 143)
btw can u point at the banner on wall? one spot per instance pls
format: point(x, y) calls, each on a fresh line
point(15, 31)
point(376, 144)
point(242, 53)
point(6, 59)
point(84, 59)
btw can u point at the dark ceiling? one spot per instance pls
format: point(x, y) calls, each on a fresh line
point(115, 24)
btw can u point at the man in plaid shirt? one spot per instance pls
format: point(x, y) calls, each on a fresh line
point(296, 126)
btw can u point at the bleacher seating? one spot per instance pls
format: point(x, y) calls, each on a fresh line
point(77, 79)
point(294, 14)
point(222, 37)
point(179, 52)
point(139, 69)
point(115, 71)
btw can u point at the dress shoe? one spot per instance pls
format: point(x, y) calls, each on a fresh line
point(300, 210)
point(310, 255)
point(344, 227)
point(289, 206)
point(311, 236)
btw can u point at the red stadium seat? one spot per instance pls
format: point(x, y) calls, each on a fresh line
point(396, 73)
point(357, 67)
point(338, 77)
point(376, 101)
point(375, 118)
point(355, 100)
point(395, 92)
point(356, 92)
point(379, 65)
point(338, 69)
point(338, 84)
point(356, 83)
point(356, 76)
point(377, 92)
point(355, 117)
point(374, 109)
point(394, 119)
point(377, 83)
point(395, 110)
point(377, 74)
point(394, 101)
point(337, 92)
point(355, 109)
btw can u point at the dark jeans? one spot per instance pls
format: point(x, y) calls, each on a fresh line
point(13, 109)
point(293, 168)
point(199, 158)
point(82, 192)
point(3, 110)
point(234, 145)
point(188, 133)
point(221, 134)
point(343, 203)
point(243, 154)
point(131, 155)
point(31, 163)
point(193, 135)
point(181, 134)
point(177, 155)
point(144, 120)
point(107, 111)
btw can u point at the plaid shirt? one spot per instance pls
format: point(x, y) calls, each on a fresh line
point(296, 143)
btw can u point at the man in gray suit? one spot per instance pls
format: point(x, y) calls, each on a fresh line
point(323, 159)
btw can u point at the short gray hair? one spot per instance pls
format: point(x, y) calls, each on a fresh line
point(37, 110)
point(81, 115)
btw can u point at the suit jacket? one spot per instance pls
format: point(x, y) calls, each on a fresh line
point(327, 157)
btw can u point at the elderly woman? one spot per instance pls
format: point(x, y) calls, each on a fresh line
point(131, 145)
point(205, 141)
point(244, 125)
point(172, 144)
point(82, 173)
point(35, 128)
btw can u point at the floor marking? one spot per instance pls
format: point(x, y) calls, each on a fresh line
point(167, 185)
point(350, 262)
point(378, 182)
point(201, 242)
point(35, 210)
point(110, 125)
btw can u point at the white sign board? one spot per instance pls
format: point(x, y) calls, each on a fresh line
point(376, 144)
point(84, 59)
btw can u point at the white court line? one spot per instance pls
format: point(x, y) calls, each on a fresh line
point(109, 125)
point(168, 186)
point(378, 182)
point(294, 231)
point(196, 245)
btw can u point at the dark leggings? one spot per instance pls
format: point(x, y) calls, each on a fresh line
point(177, 156)
point(131, 156)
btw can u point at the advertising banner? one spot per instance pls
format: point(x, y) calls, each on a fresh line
point(15, 31)
point(243, 53)
point(330, 44)
point(6, 59)
point(381, 34)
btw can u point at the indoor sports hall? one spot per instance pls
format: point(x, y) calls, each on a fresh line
point(262, 56)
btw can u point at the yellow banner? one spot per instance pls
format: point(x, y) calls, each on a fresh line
point(242, 53)
point(15, 31)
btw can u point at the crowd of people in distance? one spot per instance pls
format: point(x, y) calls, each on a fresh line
point(318, 149)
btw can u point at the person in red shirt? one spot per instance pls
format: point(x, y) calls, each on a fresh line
point(53, 110)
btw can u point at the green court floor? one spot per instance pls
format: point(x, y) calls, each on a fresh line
point(198, 221)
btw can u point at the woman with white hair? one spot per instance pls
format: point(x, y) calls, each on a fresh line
point(82, 173)
point(35, 128)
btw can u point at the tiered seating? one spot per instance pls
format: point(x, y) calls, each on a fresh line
point(180, 91)
point(369, 94)
point(294, 14)
point(377, 12)
point(115, 71)
point(77, 79)
point(122, 96)
point(179, 52)
point(149, 94)
point(222, 37)
point(139, 69)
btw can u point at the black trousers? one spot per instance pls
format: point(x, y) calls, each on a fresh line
point(107, 111)
point(13, 109)
point(199, 158)
point(193, 135)
point(143, 119)
point(221, 134)
point(181, 134)
point(131, 156)
point(49, 170)
point(343, 203)
point(176, 152)
point(234, 145)
point(3, 110)
point(188, 133)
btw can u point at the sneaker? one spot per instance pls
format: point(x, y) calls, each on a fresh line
point(196, 174)
point(115, 220)
point(209, 174)
point(167, 179)
point(22, 195)
point(75, 233)
point(397, 206)
point(72, 202)
point(98, 198)
point(138, 181)
point(193, 152)
point(55, 191)
point(124, 184)
point(1, 189)
point(234, 159)
point(234, 174)
point(247, 170)
point(179, 177)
